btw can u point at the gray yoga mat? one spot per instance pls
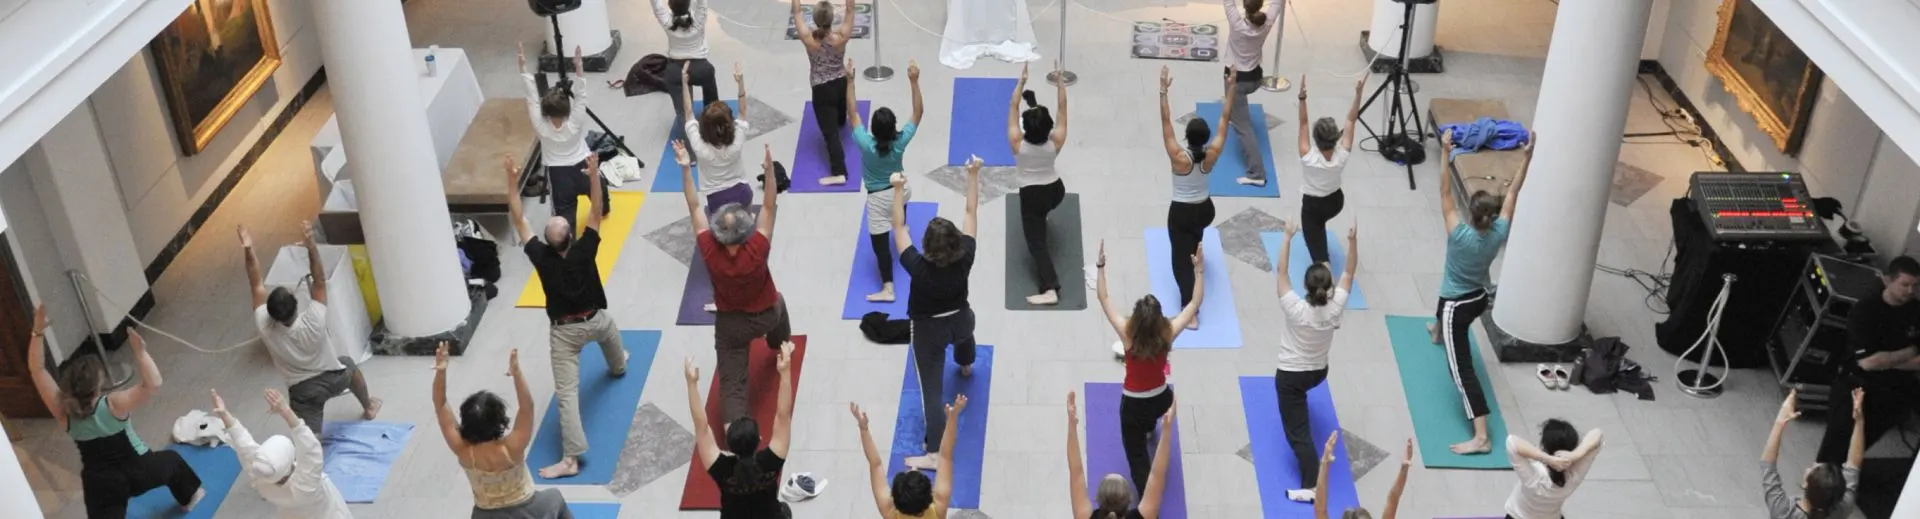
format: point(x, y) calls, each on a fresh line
point(1063, 242)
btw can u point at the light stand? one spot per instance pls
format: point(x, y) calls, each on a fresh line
point(1063, 76)
point(1400, 142)
point(1698, 383)
point(877, 71)
point(1275, 81)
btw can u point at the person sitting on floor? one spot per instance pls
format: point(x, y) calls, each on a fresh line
point(287, 473)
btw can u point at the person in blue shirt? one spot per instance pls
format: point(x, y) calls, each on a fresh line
point(1465, 282)
point(883, 149)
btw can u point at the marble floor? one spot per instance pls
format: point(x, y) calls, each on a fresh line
point(1675, 457)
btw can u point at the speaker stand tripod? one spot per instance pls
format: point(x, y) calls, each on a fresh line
point(1403, 138)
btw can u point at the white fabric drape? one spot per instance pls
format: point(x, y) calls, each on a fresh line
point(995, 28)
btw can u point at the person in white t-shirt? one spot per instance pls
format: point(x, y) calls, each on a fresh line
point(287, 473)
point(1323, 156)
point(716, 136)
point(1304, 346)
point(1550, 472)
point(298, 342)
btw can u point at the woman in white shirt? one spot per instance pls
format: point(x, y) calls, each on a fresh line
point(1550, 472)
point(1246, 42)
point(686, 24)
point(557, 122)
point(1304, 346)
point(287, 473)
point(716, 138)
point(1036, 142)
point(1323, 155)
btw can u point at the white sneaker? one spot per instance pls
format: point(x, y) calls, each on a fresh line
point(1300, 495)
point(1251, 181)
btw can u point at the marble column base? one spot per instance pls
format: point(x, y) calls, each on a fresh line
point(1509, 349)
point(385, 343)
point(592, 62)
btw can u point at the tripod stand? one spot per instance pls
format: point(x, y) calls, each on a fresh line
point(1400, 142)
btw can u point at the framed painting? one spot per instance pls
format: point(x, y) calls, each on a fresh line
point(1767, 74)
point(212, 59)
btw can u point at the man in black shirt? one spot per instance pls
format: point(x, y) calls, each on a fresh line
point(575, 303)
point(937, 304)
point(1883, 341)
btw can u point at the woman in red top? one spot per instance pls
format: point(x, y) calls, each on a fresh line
point(1148, 338)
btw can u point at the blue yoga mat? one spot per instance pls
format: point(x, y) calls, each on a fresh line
point(1439, 414)
point(970, 436)
point(1230, 166)
point(980, 121)
point(1105, 455)
point(1274, 466)
point(1219, 323)
point(594, 510)
point(361, 454)
point(607, 406)
point(217, 468)
point(1299, 260)
point(865, 278)
point(667, 178)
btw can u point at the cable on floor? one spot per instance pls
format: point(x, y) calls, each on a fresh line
point(116, 308)
point(1655, 285)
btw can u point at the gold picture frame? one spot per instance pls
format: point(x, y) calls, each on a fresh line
point(1766, 73)
point(211, 60)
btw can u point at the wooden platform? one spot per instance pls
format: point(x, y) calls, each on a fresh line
point(1486, 170)
point(473, 177)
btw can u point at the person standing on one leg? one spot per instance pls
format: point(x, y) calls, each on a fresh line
point(1883, 335)
point(298, 340)
point(1148, 338)
point(826, 55)
point(685, 22)
point(285, 472)
point(1036, 143)
point(1323, 156)
point(938, 305)
point(1304, 347)
point(748, 305)
point(576, 309)
point(882, 153)
point(558, 122)
point(1192, 208)
point(1466, 282)
point(1246, 43)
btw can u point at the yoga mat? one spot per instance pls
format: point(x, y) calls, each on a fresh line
point(1171, 40)
point(810, 155)
point(607, 405)
point(970, 436)
point(594, 510)
point(1219, 323)
point(217, 468)
point(1105, 455)
point(980, 121)
point(1063, 243)
point(1274, 466)
point(668, 179)
point(1299, 260)
point(700, 492)
point(614, 229)
point(695, 296)
point(1439, 416)
point(865, 278)
point(1230, 166)
point(360, 455)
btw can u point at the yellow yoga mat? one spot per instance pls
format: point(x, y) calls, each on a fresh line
point(613, 237)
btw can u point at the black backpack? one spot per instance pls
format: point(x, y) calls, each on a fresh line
point(1604, 368)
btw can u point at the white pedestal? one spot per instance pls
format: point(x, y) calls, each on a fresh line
point(452, 97)
point(348, 325)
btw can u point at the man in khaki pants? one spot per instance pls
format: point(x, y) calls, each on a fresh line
point(575, 306)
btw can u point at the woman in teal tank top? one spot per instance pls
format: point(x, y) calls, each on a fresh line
point(115, 464)
point(883, 148)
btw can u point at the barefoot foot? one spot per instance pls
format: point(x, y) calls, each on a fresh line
point(927, 462)
point(197, 496)
point(1433, 332)
point(567, 467)
point(833, 180)
point(373, 409)
point(885, 295)
point(1048, 298)
point(1474, 446)
point(966, 371)
point(710, 308)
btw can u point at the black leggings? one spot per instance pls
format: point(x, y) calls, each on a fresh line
point(1314, 213)
point(699, 75)
point(108, 489)
point(1186, 227)
point(883, 254)
point(1292, 388)
point(931, 335)
point(830, 110)
point(1036, 202)
point(568, 184)
point(1455, 316)
point(1138, 417)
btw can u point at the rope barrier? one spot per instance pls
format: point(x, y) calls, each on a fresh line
point(116, 308)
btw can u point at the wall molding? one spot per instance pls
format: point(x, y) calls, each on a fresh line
point(1672, 88)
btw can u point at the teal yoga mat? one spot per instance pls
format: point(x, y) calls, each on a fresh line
point(1439, 418)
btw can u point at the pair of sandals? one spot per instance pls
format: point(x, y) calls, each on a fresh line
point(1554, 376)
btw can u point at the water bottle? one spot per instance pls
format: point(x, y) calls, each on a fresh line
point(433, 69)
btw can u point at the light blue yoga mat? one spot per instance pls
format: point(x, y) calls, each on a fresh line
point(1299, 260)
point(1274, 467)
point(979, 122)
point(594, 510)
point(217, 468)
point(607, 406)
point(1439, 412)
point(360, 455)
point(1230, 166)
point(970, 435)
point(865, 278)
point(667, 173)
point(1219, 323)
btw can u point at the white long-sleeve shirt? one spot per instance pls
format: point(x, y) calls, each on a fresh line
point(688, 43)
point(565, 145)
point(307, 494)
point(1245, 42)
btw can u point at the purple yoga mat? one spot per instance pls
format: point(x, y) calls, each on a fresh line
point(1106, 456)
point(810, 156)
point(694, 298)
point(865, 278)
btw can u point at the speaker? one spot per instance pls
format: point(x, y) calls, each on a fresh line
point(552, 7)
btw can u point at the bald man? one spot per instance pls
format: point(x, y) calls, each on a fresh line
point(747, 305)
point(576, 304)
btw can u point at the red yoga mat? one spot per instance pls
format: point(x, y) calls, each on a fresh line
point(701, 493)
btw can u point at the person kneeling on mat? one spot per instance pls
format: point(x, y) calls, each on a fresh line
point(826, 53)
point(492, 450)
point(1466, 282)
point(297, 339)
point(1115, 499)
point(938, 304)
point(286, 473)
point(913, 495)
point(1192, 208)
point(1148, 338)
point(747, 475)
point(1830, 488)
point(1323, 157)
point(748, 306)
point(557, 121)
point(883, 149)
point(1393, 496)
point(576, 309)
point(1036, 143)
point(1305, 344)
point(1550, 472)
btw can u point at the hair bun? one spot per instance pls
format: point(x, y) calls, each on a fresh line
point(1032, 101)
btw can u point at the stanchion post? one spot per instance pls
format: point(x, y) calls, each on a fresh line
point(1276, 81)
point(878, 71)
point(1063, 76)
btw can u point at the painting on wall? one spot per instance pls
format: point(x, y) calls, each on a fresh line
point(1767, 74)
point(212, 59)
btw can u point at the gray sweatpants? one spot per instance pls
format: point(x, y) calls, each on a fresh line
point(1243, 125)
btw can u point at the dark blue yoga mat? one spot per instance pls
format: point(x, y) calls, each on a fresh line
point(1106, 456)
point(980, 121)
point(217, 468)
point(668, 178)
point(1274, 466)
point(360, 455)
point(865, 278)
point(970, 436)
point(607, 406)
point(1230, 166)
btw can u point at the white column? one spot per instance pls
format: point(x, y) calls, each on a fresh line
point(78, 193)
point(383, 125)
point(1384, 35)
point(586, 28)
point(13, 482)
point(1589, 77)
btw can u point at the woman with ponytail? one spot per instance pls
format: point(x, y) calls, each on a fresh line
point(826, 52)
point(912, 495)
point(1192, 208)
point(685, 22)
point(1829, 488)
point(748, 476)
point(492, 450)
point(1249, 24)
point(1037, 137)
point(883, 147)
point(1146, 338)
point(1114, 498)
point(1304, 347)
point(1466, 281)
point(1550, 472)
point(1323, 157)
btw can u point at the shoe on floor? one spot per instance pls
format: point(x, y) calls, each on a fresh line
point(1300, 495)
point(1565, 377)
point(1546, 376)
